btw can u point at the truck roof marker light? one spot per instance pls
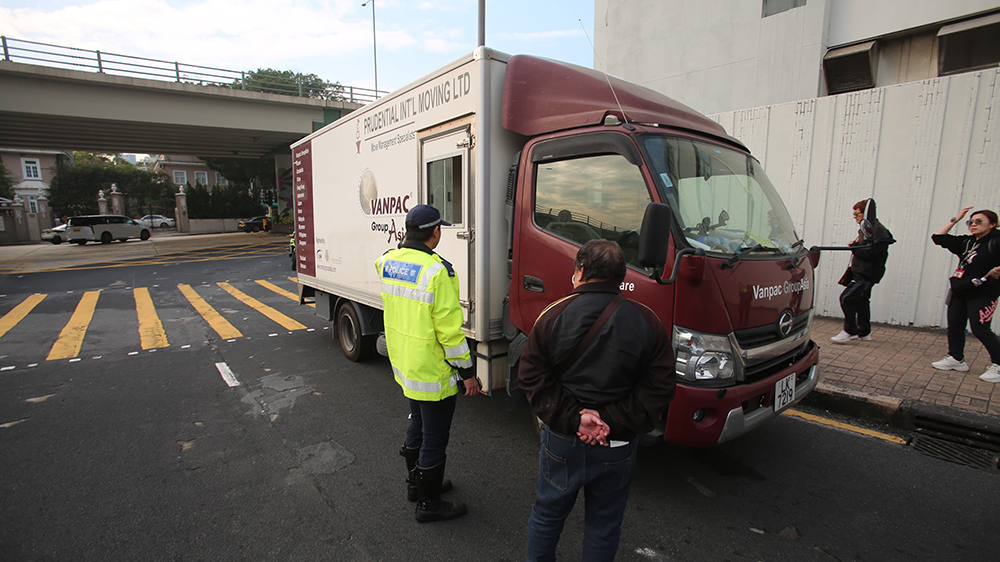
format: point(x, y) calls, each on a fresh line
point(613, 93)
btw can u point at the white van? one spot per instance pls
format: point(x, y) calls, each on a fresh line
point(104, 228)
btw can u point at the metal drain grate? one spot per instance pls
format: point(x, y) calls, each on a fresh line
point(956, 453)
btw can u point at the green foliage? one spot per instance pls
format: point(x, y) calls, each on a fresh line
point(221, 203)
point(6, 183)
point(75, 186)
point(289, 83)
point(256, 175)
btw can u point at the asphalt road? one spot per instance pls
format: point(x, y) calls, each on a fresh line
point(126, 453)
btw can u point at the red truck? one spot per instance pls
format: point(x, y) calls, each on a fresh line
point(529, 158)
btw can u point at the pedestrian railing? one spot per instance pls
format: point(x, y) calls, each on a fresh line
point(73, 58)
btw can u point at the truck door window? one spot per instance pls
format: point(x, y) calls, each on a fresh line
point(592, 197)
point(444, 187)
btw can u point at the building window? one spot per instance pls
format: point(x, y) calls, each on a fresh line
point(772, 7)
point(32, 204)
point(221, 181)
point(180, 177)
point(201, 177)
point(32, 171)
point(969, 45)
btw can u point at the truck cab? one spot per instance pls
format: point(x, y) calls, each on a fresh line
point(685, 202)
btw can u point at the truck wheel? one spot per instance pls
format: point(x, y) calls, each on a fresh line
point(105, 237)
point(144, 235)
point(355, 346)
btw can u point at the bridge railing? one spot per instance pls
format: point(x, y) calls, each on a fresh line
point(73, 58)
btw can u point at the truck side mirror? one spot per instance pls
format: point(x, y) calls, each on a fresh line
point(654, 235)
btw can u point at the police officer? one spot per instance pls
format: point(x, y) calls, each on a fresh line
point(429, 355)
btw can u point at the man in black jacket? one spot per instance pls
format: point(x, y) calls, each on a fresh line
point(869, 252)
point(598, 370)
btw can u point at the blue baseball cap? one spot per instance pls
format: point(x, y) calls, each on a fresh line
point(424, 216)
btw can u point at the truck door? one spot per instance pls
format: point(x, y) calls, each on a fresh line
point(444, 174)
point(577, 189)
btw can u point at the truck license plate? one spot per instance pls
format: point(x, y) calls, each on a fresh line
point(784, 392)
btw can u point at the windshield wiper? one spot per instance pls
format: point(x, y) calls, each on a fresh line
point(758, 248)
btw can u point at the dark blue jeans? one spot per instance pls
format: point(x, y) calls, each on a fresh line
point(565, 465)
point(430, 426)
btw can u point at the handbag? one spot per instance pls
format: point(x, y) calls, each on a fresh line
point(846, 278)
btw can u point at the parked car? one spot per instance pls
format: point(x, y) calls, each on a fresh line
point(255, 224)
point(104, 228)
point(157, 221)
point(55, 235)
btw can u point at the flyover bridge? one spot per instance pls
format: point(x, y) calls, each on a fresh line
point(57, 97)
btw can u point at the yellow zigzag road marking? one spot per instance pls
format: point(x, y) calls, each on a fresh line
point(71, 338)
point(282, 292)
point(18, 313)
point(151, 334)
point(215, 320)
point(255, 304)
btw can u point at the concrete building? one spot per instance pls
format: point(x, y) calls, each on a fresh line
point(186, 170)
point(841, 100)
point(727, 55)
point(31, 171)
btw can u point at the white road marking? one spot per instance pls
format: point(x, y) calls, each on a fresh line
point(272, 335)
point(230, 341)
point(185, 346)
point(311, 330)
point(227, 374)
point(32, 365)
point(75, 360)
point(11, 368)
point(133, 353)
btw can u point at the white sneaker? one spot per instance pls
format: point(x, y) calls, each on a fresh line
point(843, 337)
point(992, 374)
point(949, 363)
point(866, 338)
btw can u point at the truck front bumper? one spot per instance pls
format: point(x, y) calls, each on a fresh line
point(703, 417)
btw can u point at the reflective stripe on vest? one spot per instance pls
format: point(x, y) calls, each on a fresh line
point(420, 386)
point(408, 293)
point(458, 351)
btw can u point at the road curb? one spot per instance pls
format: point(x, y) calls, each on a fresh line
point(885, 409)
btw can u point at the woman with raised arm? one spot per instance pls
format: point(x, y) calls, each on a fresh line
point(975, 286)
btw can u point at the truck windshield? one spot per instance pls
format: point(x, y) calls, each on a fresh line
point(721, 197)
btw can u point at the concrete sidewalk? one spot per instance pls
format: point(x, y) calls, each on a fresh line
point(893, 372)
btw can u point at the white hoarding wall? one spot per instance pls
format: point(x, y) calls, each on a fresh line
point(922, 150)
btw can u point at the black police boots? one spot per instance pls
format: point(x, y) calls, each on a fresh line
point(411, 456)
point(430, 506)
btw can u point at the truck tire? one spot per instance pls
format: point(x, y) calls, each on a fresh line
point(356, 347)
point(105, 237)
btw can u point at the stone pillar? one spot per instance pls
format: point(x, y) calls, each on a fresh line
point(181, 212)
point(102, 203)
point(117, 203)
point(20, 223)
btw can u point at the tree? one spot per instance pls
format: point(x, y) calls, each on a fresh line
point(76, 183)
point(6, 183)
point(290, 83)
point(255, 175)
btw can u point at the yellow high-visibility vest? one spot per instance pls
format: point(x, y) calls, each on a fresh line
point(423, 323)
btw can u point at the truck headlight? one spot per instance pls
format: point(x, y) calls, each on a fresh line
point(703, 357)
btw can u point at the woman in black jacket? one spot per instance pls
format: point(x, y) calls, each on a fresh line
point(869, 251)
point(975, 286)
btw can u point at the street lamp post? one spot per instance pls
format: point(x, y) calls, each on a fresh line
point(374, 43)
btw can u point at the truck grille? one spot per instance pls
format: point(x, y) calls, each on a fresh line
point(758, 336)
point(754, 373)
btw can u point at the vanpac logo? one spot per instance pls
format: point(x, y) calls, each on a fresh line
point(375, 206)
point(788, 287)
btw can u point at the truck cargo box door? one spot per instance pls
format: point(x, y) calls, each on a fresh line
point(445, 185)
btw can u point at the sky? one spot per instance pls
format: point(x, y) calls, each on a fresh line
point(330, 38)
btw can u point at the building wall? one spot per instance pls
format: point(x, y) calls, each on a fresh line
point(857, 20)
point(724, 55)
point(713, 56)
point(190, 165)
point(922, 150)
